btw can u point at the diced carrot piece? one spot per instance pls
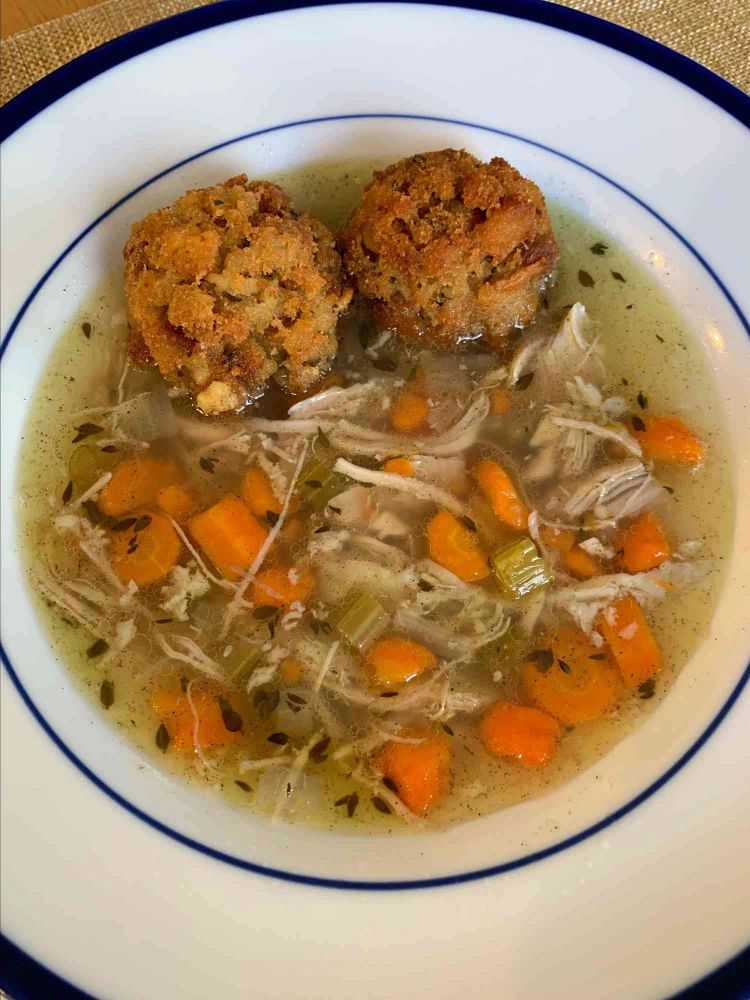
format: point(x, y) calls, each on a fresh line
point(631, 641)
point(395, 660)
point(409, 413)
point(290, 670)
point(258, 494)
point(497, 486)
point(500, 401)
point(420, 771)
point(399, 466)
point(570, 678)
point(177, 501)
point(526, 734)
point(146, 555)
point(273, 588)
point(560, 539)
point(456, 548)
point(667, 439)
point(578, 562)
point(230, 535)
point(173, 709)
point(643, 544)
point(136, 483)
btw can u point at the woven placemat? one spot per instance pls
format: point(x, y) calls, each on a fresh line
point(714, 32)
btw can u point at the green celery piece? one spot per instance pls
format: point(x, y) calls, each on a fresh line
point(360, 618)
point(519, 569)
point(319, 484)
point(506, 649)
point(241, 661)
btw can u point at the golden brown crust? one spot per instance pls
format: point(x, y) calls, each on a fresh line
point(448, 248)
point(230, 285)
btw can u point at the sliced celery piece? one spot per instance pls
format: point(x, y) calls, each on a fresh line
point(318, 483)
point(360, 618)
point(519, 569)
point(505, 651)
point(241, 661)
point(87, 462)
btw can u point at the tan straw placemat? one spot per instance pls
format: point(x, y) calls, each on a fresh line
point(714, 32)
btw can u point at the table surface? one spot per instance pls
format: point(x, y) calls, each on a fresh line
point(19, 15)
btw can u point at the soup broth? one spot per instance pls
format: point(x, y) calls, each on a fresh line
point(291, 675)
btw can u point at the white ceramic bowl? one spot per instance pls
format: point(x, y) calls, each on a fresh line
point(152, 887)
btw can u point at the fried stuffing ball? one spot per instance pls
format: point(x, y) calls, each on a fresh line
point(445, 247)
point(229, 287)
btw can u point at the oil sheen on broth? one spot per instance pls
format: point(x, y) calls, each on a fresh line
point(646, 351)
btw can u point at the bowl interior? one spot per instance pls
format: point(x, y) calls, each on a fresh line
point(635, 767)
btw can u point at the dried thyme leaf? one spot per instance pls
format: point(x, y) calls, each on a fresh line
point(142, 523)
point(109, 449)
point(391, 785)
point(585, 279)
point(637, 423)
point(448, 729)
point(208, 464)
point(352, 804)
point(647, 689)
point(163, 621)
point(163, 738)
point(95, 515)
point(598, 656)
point(543, 658)
point(565, 667)
point(318, 753)
point(272, 517)
point(264, 612)
point(617, 276)
point(468, 523)
point(243, 785)
point(232, 720)
point(266, 702)
point(425, 585)
point(321, 438)
point(385, 365)
point(322, 529)
point(380, 804)
point(278, 739)
point(524, 381)
point(86, 330)
point(642, 401)
point(296, 699)
point(107, 694)
point(97, 648)
point(67, 493)
point(125, 524)
point(86, 430)
point(389, 694)
point(599, 249)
